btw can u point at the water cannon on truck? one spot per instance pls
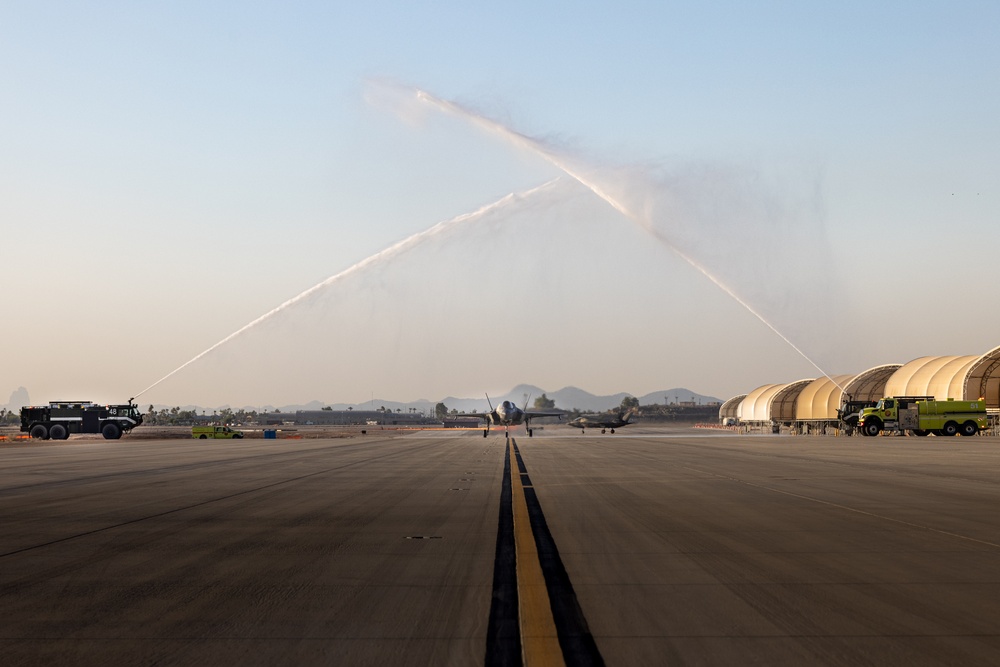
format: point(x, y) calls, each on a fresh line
point(59, 419)
point(922, 415)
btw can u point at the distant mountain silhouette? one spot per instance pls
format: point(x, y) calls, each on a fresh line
point(567, 398)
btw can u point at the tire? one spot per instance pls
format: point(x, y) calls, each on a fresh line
point(39, 432)
point(240, 437)
point(58, 432)
point(949, 429)
point(203, 437)
point(871, 429)
point(969, 428)
point(921, 432)
point(111, 431)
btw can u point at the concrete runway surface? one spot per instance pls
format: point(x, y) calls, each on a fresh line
point(647, 547)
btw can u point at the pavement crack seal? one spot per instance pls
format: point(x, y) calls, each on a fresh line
point(553, 629)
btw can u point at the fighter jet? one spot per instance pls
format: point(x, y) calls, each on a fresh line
point(603, 422)
point(507, 414)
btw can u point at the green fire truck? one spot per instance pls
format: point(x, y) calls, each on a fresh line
point(59, 419)
point(205, 432)
point(922, 415)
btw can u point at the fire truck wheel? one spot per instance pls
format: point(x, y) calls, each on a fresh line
point(111, 432)
point(950, 429)
point(970, 428)
point(39, 431)
point(58, 432)
point(871, 430)
point(921, 432)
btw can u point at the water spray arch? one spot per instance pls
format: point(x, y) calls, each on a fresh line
point(590, 177)
point(406, 245)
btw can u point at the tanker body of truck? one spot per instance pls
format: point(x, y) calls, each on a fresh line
point(924, 416)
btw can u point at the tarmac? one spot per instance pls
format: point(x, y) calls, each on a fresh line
point(646, 547)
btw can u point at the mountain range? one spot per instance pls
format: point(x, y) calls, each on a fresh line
point(568, 398)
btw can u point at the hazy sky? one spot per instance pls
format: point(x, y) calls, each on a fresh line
point(171, 171)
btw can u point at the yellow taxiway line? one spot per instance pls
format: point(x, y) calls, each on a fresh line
point(539, 639)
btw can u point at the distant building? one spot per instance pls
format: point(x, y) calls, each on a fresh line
point(461, 423)
point(344, 418)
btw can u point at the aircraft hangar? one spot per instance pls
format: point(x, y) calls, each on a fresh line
point(808, 404)
point(727, 411)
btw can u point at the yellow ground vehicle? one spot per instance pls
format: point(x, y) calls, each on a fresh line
point(923, 416)
point(205, 432)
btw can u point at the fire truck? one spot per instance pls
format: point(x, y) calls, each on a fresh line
point(204, 432)
point(59, 419)
point(922, 415)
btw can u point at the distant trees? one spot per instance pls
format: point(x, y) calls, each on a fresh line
point(9, 417)
point(543, 402)
point(440, 410)
point(176, 417)
point(629, 402)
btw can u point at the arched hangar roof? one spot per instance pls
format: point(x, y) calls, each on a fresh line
point(869, 385)
point(940, 377)
point(821, 398)
point(755, 407)
point(729, 408)
point(983, 380)
point(782, 404)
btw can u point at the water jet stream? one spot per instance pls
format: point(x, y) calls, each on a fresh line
point(563, 164)
point(383, 255)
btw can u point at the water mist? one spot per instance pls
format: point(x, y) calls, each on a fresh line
point(590, 177)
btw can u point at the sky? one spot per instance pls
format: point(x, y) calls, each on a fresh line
point(626, 196)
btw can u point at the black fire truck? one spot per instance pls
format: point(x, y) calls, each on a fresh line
point(59, 419)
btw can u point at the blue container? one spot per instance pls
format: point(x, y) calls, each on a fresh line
point(270, 434)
